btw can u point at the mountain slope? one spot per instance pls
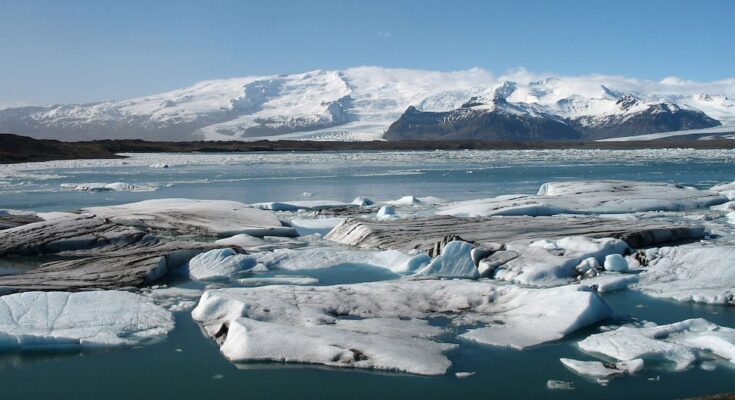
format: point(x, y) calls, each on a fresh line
point(363, 103)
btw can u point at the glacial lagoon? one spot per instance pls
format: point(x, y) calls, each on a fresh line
point(186, 362)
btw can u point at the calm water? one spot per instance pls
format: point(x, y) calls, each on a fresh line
point(188, 365)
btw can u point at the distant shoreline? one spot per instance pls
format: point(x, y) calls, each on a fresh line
point(18, 149)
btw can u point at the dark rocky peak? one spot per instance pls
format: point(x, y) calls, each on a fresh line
point(627, 102)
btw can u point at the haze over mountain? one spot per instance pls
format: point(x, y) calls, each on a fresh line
point(368, 103)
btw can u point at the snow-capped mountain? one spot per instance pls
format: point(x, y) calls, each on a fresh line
point(366, 102)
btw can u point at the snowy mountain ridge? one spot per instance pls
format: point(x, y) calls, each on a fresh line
point(362, 103)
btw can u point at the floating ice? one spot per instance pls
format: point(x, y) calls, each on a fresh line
point(362, 201)
point(107, 187)
point(697, 273)
point(681, 343)
point(313, 205)
point(212, 217)
point(60, 320)
point(553, 384)
point(173, 298)
point(596, 369)
point(386, 212)
point(611, 282)
point(308, 226)
point(219, 264)
point(384, 321)
point(328, 257)
point(589, 197)
point(615, 263)
point(454, 262)
point(555, 262)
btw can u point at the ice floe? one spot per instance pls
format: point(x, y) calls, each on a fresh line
point(386, 322)
point(680, 344)
point(219, 264)
point(186, 216)
point(589, 197)
point(328, 257)
point(697, 273)
point(107, 187)
point(60, 320)
point(599, 370)
point(554, 262)
point(311, 205)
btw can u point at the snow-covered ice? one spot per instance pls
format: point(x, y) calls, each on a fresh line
point(106, 187)
point(311, 205)
point(219, 264)
point(60, 320)
point(308, 226)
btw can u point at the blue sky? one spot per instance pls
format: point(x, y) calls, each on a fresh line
point(79, 51)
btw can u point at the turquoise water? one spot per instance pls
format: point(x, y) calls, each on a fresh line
point(187, 364)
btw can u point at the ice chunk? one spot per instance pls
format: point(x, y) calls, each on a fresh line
point(60, 320)
point(454, 262)
point(249, 340)
point(555, 262)
point(312, 205)
point(681, 343)
point(386, 212)
point(308, 226)
point(553, 384)
point(362, 201)
point(697, 273)
point(219, 264)
point(589, 197)
point(328, 257)
point(107, 187)
point(405, 201)
point(389, 313)
point(187, 216)
point(615, 263)
point(606, 283)
point(173, 298)
point(596, 369)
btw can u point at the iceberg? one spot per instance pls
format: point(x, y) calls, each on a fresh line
point(387, 322)
point(555, 262)
point(60, 320)
point(454, 262)
point(696, 273)
point(598, 370)
point(680, 344)
point(589, 197)
point(219, 264)
point(328, 257)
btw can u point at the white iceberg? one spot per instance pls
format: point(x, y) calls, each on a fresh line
point(60, 320)
point(555, 262)
point(310, 205)
point(615, 263)
point(329, 257)
point(309, 226)
point(187, 216)
point(386, 322)
point(454, 262)
point(219, 264)
point(107, 187)
point(173, 298)
point(696, 273)
point(681, 343)
point(589, 197)
point(598, 370)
